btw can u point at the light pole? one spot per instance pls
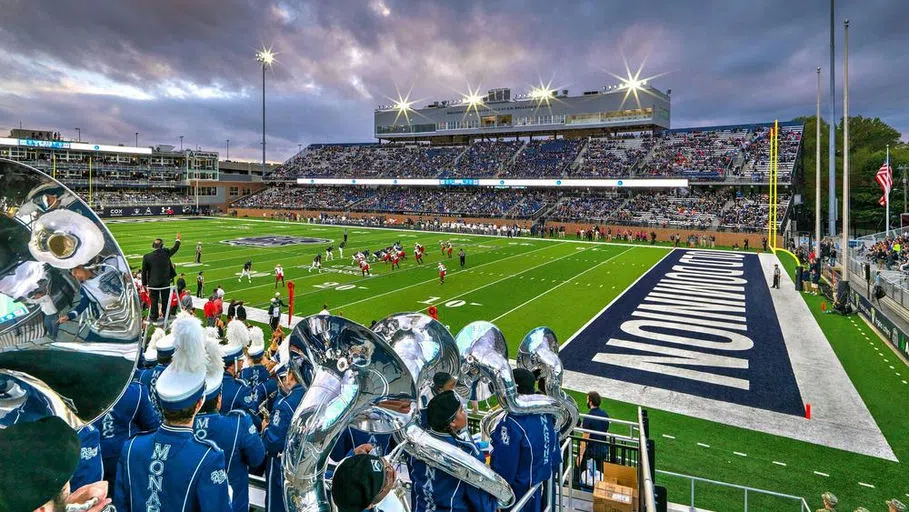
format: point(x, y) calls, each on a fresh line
point(78, 135)
point(181, 143)
point(137, 139)
point(299, 147)
point(228, 150)
point(265, 57)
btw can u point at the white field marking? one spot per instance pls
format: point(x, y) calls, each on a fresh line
point(373, 277)
point(468, 270)
point(904, 382)
point(509, 277)
point(740, 454)
point(863, 484)
point(667, 436)
point(818, 473)
point(778, 463)
point(892, 367)
point(702, 445)
point(512, 310)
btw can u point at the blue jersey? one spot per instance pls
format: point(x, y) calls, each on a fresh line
point(275, 439)
point(256, 374)
point(351, 437)
point(236, 394)
point(237, 437)
point(522, 451)
point(171, 470)
point(149, 378)
point(90, 468)
point(132, 414)
point(435, 490)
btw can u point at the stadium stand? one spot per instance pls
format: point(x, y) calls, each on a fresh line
point(611, 158)
point(138, 197)
point(486, 158)
point(539, 158)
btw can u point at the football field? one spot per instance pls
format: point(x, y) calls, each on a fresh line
point(518, 284)
point(725, 371)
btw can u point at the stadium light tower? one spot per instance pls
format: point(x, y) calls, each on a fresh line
point(79, 134)
point(265, 57)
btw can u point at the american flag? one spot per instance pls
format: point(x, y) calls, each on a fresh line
point(885, 180)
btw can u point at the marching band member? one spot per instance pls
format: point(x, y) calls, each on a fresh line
point(274, 434)
point(161, 348)
point(90, 468)
point(435, 490)
point(361, 483)
point(170, 469)
point(522, 446)
point(234, 433)
point(132, 414)
point(237, 394)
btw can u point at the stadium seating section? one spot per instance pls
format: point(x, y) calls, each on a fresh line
point(720, 155)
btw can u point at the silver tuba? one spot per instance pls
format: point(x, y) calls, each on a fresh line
point(539, 350)
point(54, 251)
point(484, 355)
point(358, 380)
point(426, 348)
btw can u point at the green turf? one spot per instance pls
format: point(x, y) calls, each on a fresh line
point(522, 283)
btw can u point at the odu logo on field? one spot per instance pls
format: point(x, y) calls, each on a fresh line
point(275, 241)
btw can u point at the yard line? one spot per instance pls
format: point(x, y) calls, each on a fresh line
point(779, 463)
point(863, 484)
point(504, 278)
point(436, 279)
point(818, 473)
point(512, 310)
point(702, 445)
point(667, 436)
point(740, 454)
point(372, 278)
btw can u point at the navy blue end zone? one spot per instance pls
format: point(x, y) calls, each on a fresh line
point(687, 332)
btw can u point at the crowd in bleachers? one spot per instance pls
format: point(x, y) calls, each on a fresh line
point(697, 155)
point(757, 159)
point(612, 157)
point(697, 210)
point(541, 158)
point(694, 211)
point(320, 198)
point(739, 154)
point(104, 197)
point(486, 158)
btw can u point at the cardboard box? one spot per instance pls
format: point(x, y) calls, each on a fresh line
point(625, 476)
point(611, 497)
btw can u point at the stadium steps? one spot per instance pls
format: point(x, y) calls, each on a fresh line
point(619, 208)
point(457, 159)
point(511, 161)
point(578, 160)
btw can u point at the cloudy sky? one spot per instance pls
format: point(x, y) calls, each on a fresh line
point(166, 68)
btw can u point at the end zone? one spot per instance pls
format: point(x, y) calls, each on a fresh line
point(702, 334)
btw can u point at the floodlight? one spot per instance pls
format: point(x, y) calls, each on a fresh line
point(266, 56)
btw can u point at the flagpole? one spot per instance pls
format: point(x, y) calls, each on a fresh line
point(817, 171)
point(844, 250)
point(887, 224)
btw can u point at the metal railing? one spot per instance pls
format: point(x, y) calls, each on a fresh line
point(893, 281)
point(803, 506)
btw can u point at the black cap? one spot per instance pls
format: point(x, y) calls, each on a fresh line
point(441, 410)
point(52, 450)
point(525, 381)
point(439, 380)
point(357, 482)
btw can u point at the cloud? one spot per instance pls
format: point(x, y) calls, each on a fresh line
point(166, 67)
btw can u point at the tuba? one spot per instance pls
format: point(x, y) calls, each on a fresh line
point(484, 355)
point(539, 350)
point(426, 347)
point(358, 380)
point(54, 250)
